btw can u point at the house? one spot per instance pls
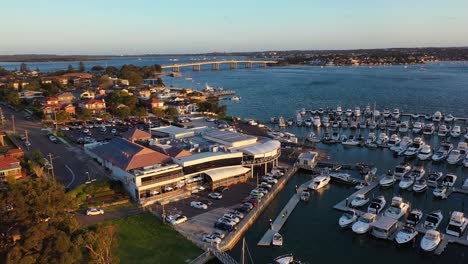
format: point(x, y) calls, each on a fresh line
point(87, 95)
point(156, 103)
point(133, 135)
point(15, 153)
point(143, 94)
point(19, 84)
point(26, 94)
point(51, 101)
point(70, 109)
point(96, 106)
point(183, 107)
point(9, 167)
point(66, 97)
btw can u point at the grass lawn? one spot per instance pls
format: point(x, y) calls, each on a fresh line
point(145, 239)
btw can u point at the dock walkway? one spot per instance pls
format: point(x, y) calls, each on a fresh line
point(341, 206)
point(283, 216)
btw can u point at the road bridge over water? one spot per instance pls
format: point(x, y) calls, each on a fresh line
point(215, 65)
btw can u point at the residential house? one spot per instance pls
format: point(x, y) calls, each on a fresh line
point(26, 94)
point(183, 107)
point(156, 103)
point(133, 135)
point(87, 95)
point(66, 98)
point(9, 167)
point(143, 94)
point(96, 106)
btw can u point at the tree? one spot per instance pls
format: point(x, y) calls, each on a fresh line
point(171, 112)
point(70, 68)
point(12, 98)
point(86, 115)
point(62, 116)
point(81, 67)
point(140, 112)
point(23, 67)
point(122, 112)
point(158, 112)
point(100, 241)
point(97, 68)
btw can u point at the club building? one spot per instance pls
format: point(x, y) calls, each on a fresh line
point(219, 158)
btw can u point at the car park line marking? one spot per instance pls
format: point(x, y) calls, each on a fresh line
point(73, 175)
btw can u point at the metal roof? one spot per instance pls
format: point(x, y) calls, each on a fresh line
point(227, 136)
point(226, 172)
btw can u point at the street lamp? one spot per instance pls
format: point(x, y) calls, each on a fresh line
point(87, 173)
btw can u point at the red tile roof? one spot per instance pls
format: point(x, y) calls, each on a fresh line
point(8, 162)
point(136, 134)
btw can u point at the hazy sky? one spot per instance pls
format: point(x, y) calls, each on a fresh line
point(177, 26)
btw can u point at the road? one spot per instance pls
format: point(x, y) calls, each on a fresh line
point(91, 220)
point(71, 164)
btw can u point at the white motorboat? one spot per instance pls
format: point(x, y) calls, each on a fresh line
point(420, 186)
point(284, 259)
point(449, 180)
point(326, 121)
point(425, 153)
point(414, 148)
point(277, 240)
point(382, 139)
point(362, 185)
point(406, 182)
point(443, 131)
point(344, 124)
point(440, 192)
point(433, 220)
point(443, 151)
point(305, 196)
point(375, 113)
point(434, 178)
point(377, 205)
point(455, 157)
point(368, 110)
point(349, 112)
point(449, 118)
point(457, 224)
point(437, 116)
point(401, 170)
point(431, 240)
point(418, 172)
point(359, 200)
point(335, 124)
point(406, 234)
point(312, 137)
point(335, 136)
point(281, 122)
point(397, 209)
point(290, 122)
point(387, 180)
point(414, 217)
point(362, 225)
point(308, 122)
point(417, 127)
point(401, 147)
point(465, 161)
point(299, 119)
point(393, 140)
point(342, 177)
point(428, 117)
point(386, 113)
point(371, 138)
point(404, 127)
point(415, 116)
point(350, 141)
point(428, 129)
point(396, 113)
point(339, 111)
point(316, 121)
point(384, 227)
point(348, 218)
point(393, 126)
point(357, 111)
point(382, 124)
point(319, 182)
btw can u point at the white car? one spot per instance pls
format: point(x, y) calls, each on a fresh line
point(198, 205)
point(178, 220)
point(211, 238)
point(168, 189)
point(215, 195)
point(114, 131)
point(256, 192)
point(231, 217)
point(94, 211)
point(269, 179)
point(64, 128)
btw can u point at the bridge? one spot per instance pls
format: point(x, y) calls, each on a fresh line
point(215, 65)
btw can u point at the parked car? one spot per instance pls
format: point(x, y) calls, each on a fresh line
point(212, 239)
point(85, 131)
point(219, 234)
point(207, 202)
point(23, 137)
point(262, 190)
point(215, 195)
point(179, 220)
point(64, 128)
point(236, 213)
point(198, 205)
point(245, 208)
point(227, 221)
point(256, 192)
point(266, 185)
point(222, 189)
point(94, 211)
point(223, 226)
point(269, 179)
point(53, 138)
point(168, 189)
point(231, 217)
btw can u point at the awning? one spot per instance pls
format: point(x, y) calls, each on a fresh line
point(226, 172)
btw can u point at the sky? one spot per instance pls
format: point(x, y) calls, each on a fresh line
point(104, 27)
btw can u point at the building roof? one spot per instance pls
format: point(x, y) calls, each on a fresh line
point(83, 75)
point(262, 149)
point(94, 101)
point(229, 138)
point(127, 155)
point(14, 151)
point(135, 134)
point(8, 163)
point(173, 131)
point(384, 222)
point(203, 157)
point(226, 172)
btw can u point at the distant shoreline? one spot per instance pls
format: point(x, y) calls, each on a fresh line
point(50, 58)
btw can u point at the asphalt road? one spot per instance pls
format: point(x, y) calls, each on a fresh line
point(71, 164)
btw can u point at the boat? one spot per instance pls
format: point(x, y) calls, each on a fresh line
point(406, 182)
point(348, 218)
point(305, 196)
point(335, 124)
point(382, 124)
point(455, 132)
point(277, 240)
point(377, 205)
point(401, 147)
point(382, 139)
point(326, 121)
point(448, 118)
point(443, 131)
point(359, 200)
point(344, 124)
point(440, 192)
point(406, 234)
point(428, 117)
point(372, 125)
point(414, 217)
point(319, 182)
point(371, 138)
point(393, 140)
point(362, 225)
point(401, 170)
point(316, 121)
point(308, 122)
point(414, 148)
point(313, 138)
point(299, 119)
point(386, 113)
point(273, 120)
point(428, 129)
point(434, 178)
point(417, 127)
point(387, 180)
point(404, 127)
point(465, 184)
point(350, 141)
point(449, 180)
point(343, 177)
point(368, 111)
point(235, 98)
point(437, 116)
point(420, 185)
point(457, 224)
point(425, 153)
point(281, 122)
point(335, 136)
point(418, 172)
point(393, 126)
point(415, 116)
point(357, 111)
point(431, 240)
point(349, 112)
point(396, 113)
point(290, 122)
point(433, 220)
point(284, 259)
point(466, 135)
point(339, 111)
point(384, 227)
point(455, 157)
point(354, 125)
point(397, 209)
point(443, 151)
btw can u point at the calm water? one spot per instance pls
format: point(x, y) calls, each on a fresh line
point(312, 232)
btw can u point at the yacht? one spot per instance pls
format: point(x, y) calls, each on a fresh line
point(372, 125)
point(455, 132)
point(415, 116)
point(359, 200)
point(465, 161)
point(455, 157)
point(418, 172)
point(443, 131)
point(348, 218)
point(277, 240)
point(406, 182)
point(425, 153)
point(308, 122)
point(387, 180)
point(386, 113)
point(457, 224)
point(326, 121)
point(305, 196)
point(343, 178)
point(284, 259)
point(313, 138)
point(443, 151)
point(368, 111)
point(382, 139)
point(382, 124)
point(428, 117)
point(319, 182)
point(350, 141)
point(449, 180)
point(434, 178)
point(406, 234)
point(299, 120)
point(376, 113)
point(377, 205)
point(437, 116)
point(363, 223)
point(420, 186)
point(316, 121)
point(281, 122)
point(371, 138)
point(414, 148)
point(357, 111)
point(393, 140)
point(404, 127)
point(339, 111)
point(431, 240)
point(335, 136)
point(401, 170)
point(344, 124)
point(414, 217)
point(393, 126)
point(402, 146)
point(417, 127)
point(396, 113)
point(349, 112)
point(448, 118)
point(433, 220)
point(397, 209)
point(440, 192)
point(428, 129)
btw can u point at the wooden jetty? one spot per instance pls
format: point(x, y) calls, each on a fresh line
point(283, 216)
